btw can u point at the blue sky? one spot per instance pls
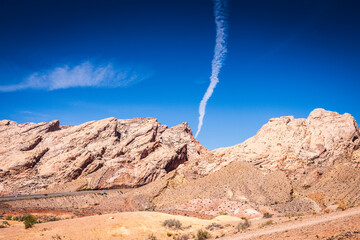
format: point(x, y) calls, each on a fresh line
point(78, 61)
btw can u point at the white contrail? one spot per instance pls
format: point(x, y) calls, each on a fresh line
point(219, 55)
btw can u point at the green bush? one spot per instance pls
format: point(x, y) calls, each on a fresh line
point(8, 217)
point(202, 235)
point(29, 221)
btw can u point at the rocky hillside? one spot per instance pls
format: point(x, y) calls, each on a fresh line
point(298, 146)
point(109, 153)
point(290, 166)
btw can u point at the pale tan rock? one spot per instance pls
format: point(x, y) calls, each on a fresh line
point(297, 145)
point(107, 153)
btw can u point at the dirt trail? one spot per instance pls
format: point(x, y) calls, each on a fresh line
point(285, 227)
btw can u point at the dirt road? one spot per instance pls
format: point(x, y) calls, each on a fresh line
point(34, 196)
point(323, 220)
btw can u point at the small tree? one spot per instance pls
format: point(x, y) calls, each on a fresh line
point(29, 221)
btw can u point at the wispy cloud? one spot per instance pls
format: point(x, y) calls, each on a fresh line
point(220, 8)
point(85, 74)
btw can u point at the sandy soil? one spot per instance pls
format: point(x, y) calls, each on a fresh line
point(127, 225)
point(327, 226)
point(140, 225)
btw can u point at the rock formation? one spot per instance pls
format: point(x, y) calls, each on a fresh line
point(290, 166)
point(100, 154)
point(298, 145)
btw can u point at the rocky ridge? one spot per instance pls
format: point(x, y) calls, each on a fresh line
point(290, 166)
point(110, 153)
point(298, 146)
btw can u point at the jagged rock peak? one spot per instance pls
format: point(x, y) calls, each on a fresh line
point(99, 154)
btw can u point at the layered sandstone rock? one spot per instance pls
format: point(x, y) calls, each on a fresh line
point(305, 163)
point(100, 154)
point(291, 165)
point(298, 145)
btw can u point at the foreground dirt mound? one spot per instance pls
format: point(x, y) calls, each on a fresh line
point(237, 189)
point(99, 154)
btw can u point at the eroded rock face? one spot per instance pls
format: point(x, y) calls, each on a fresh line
point(100, 154)
point(289, 166)
point(298, 145)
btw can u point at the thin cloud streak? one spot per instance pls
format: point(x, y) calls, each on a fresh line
point(219, 55)
point(82, 75)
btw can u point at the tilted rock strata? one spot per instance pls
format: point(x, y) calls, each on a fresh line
point(108, 153)
point(289, 166)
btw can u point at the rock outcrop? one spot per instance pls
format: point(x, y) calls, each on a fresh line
point(298, 146)
point(290, 166)
point(110, 153)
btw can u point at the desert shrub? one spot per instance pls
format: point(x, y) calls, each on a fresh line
point(56, 237)
point(4, 224)
point(169, 234)
point(267, 215)
point(269, 222)
point(202, 234)
point(341, 205)
point(51, 219)
point(243, 224)
point(18, 218)
point(151, 208)
point(182, 237)
point(8, 217)
point(223, 213)
point(152, 237)
point(172, 223)
point(213, 226)
point(29, 221)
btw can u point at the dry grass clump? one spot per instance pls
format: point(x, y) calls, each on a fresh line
point(4, 224)
point(269, 222)
point(202, 235)
point(172, 223)
point(243, 224)
point(56, 237)
point(213, 226)
point(152, 237)
point(183, 237)
point(267, 215)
